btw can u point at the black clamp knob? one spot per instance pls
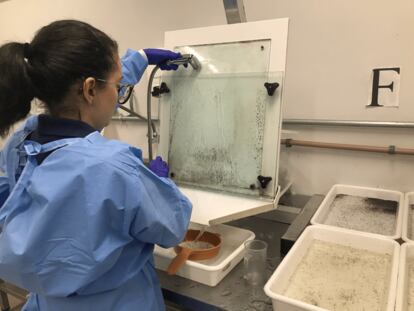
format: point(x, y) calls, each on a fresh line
point(264, 181)
point(391, 149)
point(158, 90)
point(271, 87)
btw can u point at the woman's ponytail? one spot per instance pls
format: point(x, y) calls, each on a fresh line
point(59, 56)
point(16, 90)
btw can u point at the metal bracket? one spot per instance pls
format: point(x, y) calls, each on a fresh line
point(155, 137)
point(391, 149)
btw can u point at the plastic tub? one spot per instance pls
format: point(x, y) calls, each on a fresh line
point(209, 272)
point(383, 221)
point(278, 283)
point(408, 214)
point(404, 286)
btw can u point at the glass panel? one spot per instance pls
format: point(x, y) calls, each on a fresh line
point(238, 57)
point(217, 117)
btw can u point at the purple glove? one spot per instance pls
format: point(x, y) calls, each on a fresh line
point(159, 167)
point(160, 57)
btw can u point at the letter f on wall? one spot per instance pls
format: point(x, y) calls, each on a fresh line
point(385, 87)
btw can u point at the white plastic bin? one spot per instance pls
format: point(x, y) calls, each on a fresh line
point(279, 281)
point(407, 223)
point(209, 272)
point(323, 212)
point(406, 255)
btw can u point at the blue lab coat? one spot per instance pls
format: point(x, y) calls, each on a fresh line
point(78, 231)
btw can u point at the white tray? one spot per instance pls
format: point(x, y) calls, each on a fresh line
point(407, 253)
point(407, 221)
point(209, 272)
point(374, 193)
point(278, 282)
point(213, 208)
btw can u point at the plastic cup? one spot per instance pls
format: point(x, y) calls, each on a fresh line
point(255, 262)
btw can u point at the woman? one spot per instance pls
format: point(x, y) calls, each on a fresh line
point(80, 214)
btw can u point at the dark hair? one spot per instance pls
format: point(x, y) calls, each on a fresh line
point(59, 55)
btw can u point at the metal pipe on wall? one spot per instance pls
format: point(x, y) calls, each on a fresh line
point(315, 144)
point(389, 124)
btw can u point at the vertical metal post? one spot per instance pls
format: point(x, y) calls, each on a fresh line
point(235, 12)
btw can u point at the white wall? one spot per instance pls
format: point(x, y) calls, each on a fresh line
point(132, 23)
point(333, 46)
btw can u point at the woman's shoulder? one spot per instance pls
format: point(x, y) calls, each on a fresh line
point(97, 150)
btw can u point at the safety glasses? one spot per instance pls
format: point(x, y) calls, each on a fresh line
point(124, 90)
